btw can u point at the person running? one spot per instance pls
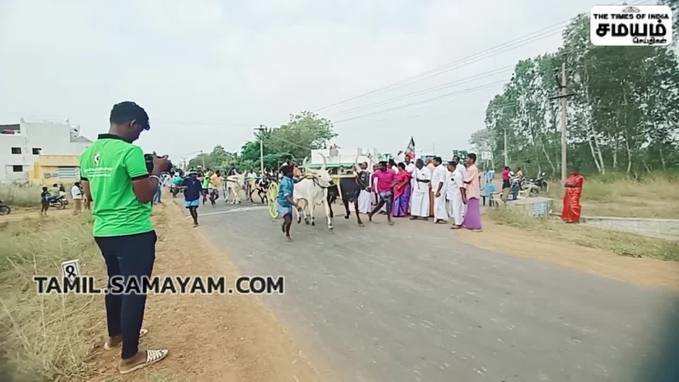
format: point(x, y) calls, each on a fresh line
point(363, 182)
point(402, 192)
point(44, 201)
point(284, 199)
point(115, 178)
point(77, 195)
point(176, 184)
point(192, 191)
point(205, 184)
point(215, 186)
point(385, 182)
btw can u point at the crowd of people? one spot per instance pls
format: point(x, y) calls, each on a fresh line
point(450, 193)
point(57, 195)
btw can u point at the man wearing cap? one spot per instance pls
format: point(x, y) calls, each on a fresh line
point(115, 178)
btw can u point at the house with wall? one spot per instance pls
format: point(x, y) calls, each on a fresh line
point(40, 152)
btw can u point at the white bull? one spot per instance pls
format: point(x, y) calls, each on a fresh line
point(310, 192)
point(234, 183)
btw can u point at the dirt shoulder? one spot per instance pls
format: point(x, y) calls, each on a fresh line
point(226, 338)
point(530, 244)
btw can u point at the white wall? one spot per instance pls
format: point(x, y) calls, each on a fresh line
point(52, 138)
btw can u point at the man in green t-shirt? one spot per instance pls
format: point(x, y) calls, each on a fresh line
point(115, 178)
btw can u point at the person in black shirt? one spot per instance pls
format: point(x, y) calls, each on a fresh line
point(192, 191)
point(44, 201)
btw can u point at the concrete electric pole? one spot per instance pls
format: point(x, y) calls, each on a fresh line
point(563, 119)
point(564, 105)
point(261, 130)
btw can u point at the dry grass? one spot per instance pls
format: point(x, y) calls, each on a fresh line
point(654, 196)
point(46, 336)
point(24, 196)
point(621, 243)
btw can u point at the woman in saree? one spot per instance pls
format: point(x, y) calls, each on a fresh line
point(401, 206)
point(571, 198)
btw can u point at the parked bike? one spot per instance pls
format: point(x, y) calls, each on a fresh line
point(4, 208)
point(58, 202)
point(535, 186)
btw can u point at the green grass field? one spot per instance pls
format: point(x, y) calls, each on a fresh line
point(46, 337)
point(653, 196)
point(621, 243)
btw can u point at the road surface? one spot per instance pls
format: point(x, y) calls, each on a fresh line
point(411, 302)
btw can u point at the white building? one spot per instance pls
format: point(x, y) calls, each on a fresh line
point(341, 157)
point(23, 144)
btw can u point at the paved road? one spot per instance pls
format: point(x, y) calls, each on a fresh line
point(411, 302)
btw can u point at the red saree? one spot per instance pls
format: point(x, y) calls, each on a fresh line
point(571, 198)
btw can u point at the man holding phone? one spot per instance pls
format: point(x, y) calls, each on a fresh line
point(115, 178)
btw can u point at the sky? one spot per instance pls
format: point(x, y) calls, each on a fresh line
point(209, 72)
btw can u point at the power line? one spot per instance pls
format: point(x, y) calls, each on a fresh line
point(419, 102)
point(467, 60)
point(446, 85)
point(464, 61)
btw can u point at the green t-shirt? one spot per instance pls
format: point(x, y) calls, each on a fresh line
point(206, 180)
point(110, 165)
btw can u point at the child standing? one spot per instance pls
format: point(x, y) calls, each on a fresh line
point(44, 201)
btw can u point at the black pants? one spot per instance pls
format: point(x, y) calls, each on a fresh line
point(127, 256)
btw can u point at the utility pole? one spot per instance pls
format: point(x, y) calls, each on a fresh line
point(564, 105)
point(563, 117)
point(261, 130)
point(505, 148)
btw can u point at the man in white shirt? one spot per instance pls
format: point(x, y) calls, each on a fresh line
point(77, 196)
point(410, 168)
point(420, 192)
point(438, 180)
point(453, 193)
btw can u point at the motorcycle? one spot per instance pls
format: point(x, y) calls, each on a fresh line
point(535, 186)
point(58, 202)
point(4, 208)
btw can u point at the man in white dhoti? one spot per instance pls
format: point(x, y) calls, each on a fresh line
point(419, 197)
point(410, 168)
point(453, 193)
point(364, 197)
point(438, 180)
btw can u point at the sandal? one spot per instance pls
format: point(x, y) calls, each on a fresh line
point(142, 333)
point(152, 356)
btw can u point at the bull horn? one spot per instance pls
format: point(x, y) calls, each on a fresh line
point(304, 162)
point(325, 161)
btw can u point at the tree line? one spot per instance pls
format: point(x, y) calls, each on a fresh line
point(623, 109)
point(293, 140)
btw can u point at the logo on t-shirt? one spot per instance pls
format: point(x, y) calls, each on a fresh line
point(97, 159)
